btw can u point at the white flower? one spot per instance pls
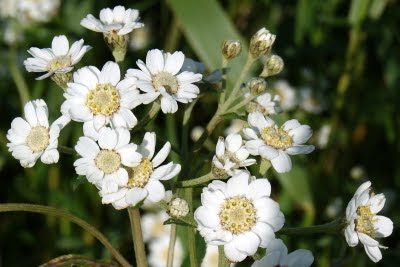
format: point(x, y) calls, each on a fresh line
point(287, 95)
point(144, 179)
point(32, 137)
point(100, 97)
point(276, 144)
point(153, 225)
point(309, 101)
point(159, 252)
point(236, 126)
point(159, 77)
point(104, 162)
point(60, 58)
point(363, 222)
point(231, 154)
point(277, 255)
point(28, 11)
point(238, 215)
point(119, 21)
point(139, 39)
point(323, 136)
point(265, 103)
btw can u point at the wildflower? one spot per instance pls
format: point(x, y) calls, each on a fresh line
point(287, 95)
point(266, 103)
point(277, 143)
point(101, 97)
point(153, 225)
point(261, 42)
point(159, 78)
point(363, 223)
point(238, 215)
point(159, 252)
point(33, 137)
point(178, 207)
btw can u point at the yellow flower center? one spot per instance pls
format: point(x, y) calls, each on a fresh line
point(108, 161)
point(237, 214)
point(38, 138)
point(166, 80)
point(140, 175)
point(104, 99)
point(59, 63)
point(364, 221)
point(276, 137)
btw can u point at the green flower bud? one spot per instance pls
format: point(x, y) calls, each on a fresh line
point(261, 43)
point(272, 66)
point(231, 49)
point(257, 86)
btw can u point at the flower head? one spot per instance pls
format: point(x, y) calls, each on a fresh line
point(101, 97)
point(60, 58)
point(287, 95)
point(363, 223)
point(32, 137)
point(261, 42)
point(266, 103)
point(277, 143)
point(178, 207)
point(159, 78)
point(277, 255)
point(273, 65)
point(144, 179)
point(159, 252)
point(231, 49)
point(239, 215)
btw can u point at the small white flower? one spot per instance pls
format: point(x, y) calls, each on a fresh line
point(309, 101)
point(60, 58)
point(100, 97)
point(265, 103)
point(37, 11)
point(159, 252)
point(159, 77)
point(231, 154)
point(363, 222)
point(119, 21)
point(32, 137)
point(239, 215)
point(153, 225)
point(276, 144)
point(277, 255)
point(144, 179)
point(104, 162)
point(287, 95)
point(323, 136)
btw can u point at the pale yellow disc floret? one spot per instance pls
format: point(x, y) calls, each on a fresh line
point(364, 222)
point(276, 137)
point(59, 63)
point(104, 99)
point(108, 161)
point(38, 138)
point(166, 80)
point(237, 214)
point(140, 175)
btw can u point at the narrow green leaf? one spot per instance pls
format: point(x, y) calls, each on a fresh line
point(358, 11)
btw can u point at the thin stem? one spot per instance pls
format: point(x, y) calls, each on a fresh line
point(171, 248)
point(67, 150)
point(137, 238)
point(198, 181)
point(191, 232)
point(222, 260)
point(66, 215)
point(333, 227)
point(18, 78)
point(155, 108)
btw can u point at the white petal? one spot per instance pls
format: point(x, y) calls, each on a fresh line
point(135, 195)
point(107, 138)
point(110, 73)
point(156, 191)
point(367, 240)
point(50, 156)
point(301, 134)
point(238, 185)
point(253, 146)
point(122, 177)
point(99, 121)
point(174, 62)
point(383, 226)
point(60, 45)
point(155, 61)
point(232, 253)
point(87, 148)
point(264, 232)
point(268, 152)
point(161, 155)
point(257, 120)
point(374, 253)
point(259, 188)
point(168, 104)
point(377, 202)
point(291, 124)
point(20, 127)
point(233, 142)
point(350, 235)
point(206, 218)
point(129, 156)
point(30, 114)
point(300, 149)
point(166, 172)
point(109, 198)
point(247, 242)
point(123, 137)
point(148, 145)
point(282, 163)
point(220, 148)
point(299, 258)
point(90, 131)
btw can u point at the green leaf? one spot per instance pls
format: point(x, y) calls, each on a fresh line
point(183, 222)
point(377, 8)
point(358, 11)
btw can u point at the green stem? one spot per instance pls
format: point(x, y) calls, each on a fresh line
point(65, 215)
point(18, 78)
point(155, 108)
point(67, 150)
point(191, 232)
point(198, 181)
point(333, 227)
point(171, 248)
point(222, 260)
point(137, 238)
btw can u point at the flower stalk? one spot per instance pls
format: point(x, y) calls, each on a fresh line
point(138, 244)
point(198, 181)
point(222, 260)
point(171, 248)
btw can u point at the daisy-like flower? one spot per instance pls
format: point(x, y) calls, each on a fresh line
point(33, 137)
point(153, 225)
point(277, 255)
point(37, 11)
point(287, 95)
point(364, 224)
point(231, 154)
point(104, 162)
point(159, 252)
point(100, 97)
point(265, 103)
point(239, 215)
point(277, 143)
point(58, 59)
point(144, 179)
point(159, 78)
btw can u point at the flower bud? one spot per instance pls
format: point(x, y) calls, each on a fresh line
point(117, 44)
point(231, 49)
point(61, 79)
point(261, 43)
point(272, 66)
point(178, 207)
point(257, 86)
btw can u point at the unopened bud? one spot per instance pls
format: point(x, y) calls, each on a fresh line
point(117, 44)
point(272, 66)
point(261, 42)
point(178, 207)
point(257, 86)
point(231, 49)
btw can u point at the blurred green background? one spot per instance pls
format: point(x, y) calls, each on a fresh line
point(346, 52)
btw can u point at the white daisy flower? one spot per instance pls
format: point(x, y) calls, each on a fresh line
point(37, 11)
point(118, 21)
point(144, 179)
point(33, 137)
point(265, 103)
point(101, 97)
point(287, 95)
point(231, 154)
point(153, 225)
point(60, 58)
point(104, 162)
point(277, 143)
point(238, 215)
point(159, 77)
point(363, 222)
point(277, 255)
point(159, 252)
